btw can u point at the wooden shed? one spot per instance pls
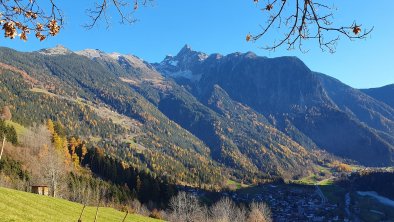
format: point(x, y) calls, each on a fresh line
point(40, 189)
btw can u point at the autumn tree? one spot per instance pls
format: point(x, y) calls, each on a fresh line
point(59, 140)
point(225, 210)
point(341, 167)
point(292, 21)
point(72, 148)
point(36, 137)
point(259, 212)
point(53, 169)
point(6, 113)
point(185, 207)
point(50, 126)
point(34, 143)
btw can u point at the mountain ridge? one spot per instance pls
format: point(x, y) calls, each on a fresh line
point(206, 117)
point(382, 93)
point(291, 88)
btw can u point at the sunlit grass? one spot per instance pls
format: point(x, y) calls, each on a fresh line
point(20, 130)
point(22, 206)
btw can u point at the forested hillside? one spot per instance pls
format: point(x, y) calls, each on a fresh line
point(198, 119)
point(310, 108)
point(69, 89)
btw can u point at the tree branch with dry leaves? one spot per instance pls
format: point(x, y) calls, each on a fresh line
point(19, 18)
point(299, 20)
point(293, 21)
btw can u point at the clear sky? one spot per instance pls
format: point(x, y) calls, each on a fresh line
point(221, 26)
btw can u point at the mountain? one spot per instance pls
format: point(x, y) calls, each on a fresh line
point(200, 119)
point(284, 79)
point(365, 109)
point(233, 144)
point(122, 65)
point(182, 64)
point(286, 90)
point(92, 102)
point(359, 105)
point(384, 94)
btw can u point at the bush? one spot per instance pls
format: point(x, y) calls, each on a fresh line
point(156, 214)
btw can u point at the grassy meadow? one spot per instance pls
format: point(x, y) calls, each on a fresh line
point(21, 206)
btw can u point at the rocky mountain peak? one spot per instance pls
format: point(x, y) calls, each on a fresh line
point(188, 55)
point(57, 50)
point(182, 64)
point(133, 66)
point(91, 53)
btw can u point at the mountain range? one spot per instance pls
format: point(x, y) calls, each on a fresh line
point(202, 119)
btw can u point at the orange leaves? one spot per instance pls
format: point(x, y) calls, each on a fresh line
point(9, 29)
point(248, 37)
point(30, 14)
point(23, 36)
point(341, 167)
point(39, 27)
point(356, 29)
point(20, 19)
point(54, 28)
point(17, 10)
point(40, 36)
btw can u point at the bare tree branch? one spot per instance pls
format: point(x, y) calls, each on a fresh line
point(295, 20)
point(301, 20)
point(124, 9)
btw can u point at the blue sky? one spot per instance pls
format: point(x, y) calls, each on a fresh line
point(221, 26)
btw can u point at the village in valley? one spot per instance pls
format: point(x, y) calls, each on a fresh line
point(310, 202)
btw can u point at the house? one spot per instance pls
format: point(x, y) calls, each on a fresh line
point(40, 189)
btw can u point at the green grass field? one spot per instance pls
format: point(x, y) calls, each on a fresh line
point(21, 206)
point(236, 185)
point(20, 130)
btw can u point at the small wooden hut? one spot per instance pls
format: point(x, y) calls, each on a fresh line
point(40, 190)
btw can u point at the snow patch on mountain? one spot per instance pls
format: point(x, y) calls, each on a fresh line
point(182, 65)
point(174, 62)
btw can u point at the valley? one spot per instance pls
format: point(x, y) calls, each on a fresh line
point(241, 126)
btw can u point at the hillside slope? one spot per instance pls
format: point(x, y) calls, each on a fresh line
point(21, 206)
point(199, 119)
point(384, 94)
point(237, 136)
point(86, 97)
point(362, 106)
